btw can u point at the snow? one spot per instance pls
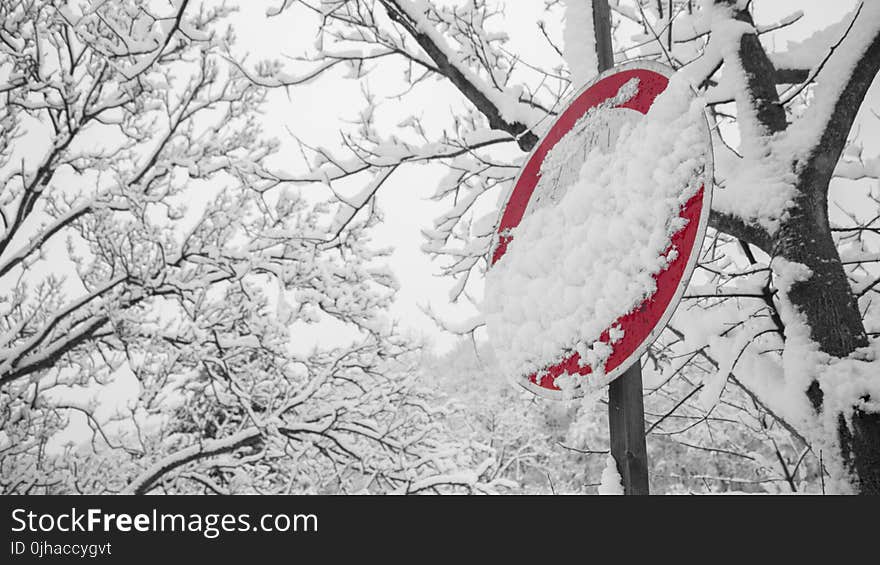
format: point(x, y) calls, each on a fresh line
point(844, 382)
point(851, 382)
point(175, 459)
point(600, 125)
point(759, 187)
point(804, 134)
point(781, 379)
point(579, 46)
point(611, 481)
point(588, 253)
point(808, 53)
point(754, 186)
point(507, 101)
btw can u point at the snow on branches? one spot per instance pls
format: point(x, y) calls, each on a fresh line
point(144, 240)
point(782, 130)
point(147, 233)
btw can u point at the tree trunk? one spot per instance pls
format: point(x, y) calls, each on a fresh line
point(831, 310)
point(825, 297)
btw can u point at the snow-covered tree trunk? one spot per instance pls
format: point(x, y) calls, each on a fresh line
point(823, 297)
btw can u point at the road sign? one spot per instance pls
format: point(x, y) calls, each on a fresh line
point(642, 325)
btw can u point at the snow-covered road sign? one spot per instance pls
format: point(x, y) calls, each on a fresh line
point(554, 356)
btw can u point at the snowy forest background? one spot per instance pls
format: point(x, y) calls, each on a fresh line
point(243, 247)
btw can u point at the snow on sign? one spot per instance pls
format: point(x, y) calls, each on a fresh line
point(601, 232)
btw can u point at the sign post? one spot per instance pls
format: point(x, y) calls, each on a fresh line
point(626, 423)
point(626, 410)
point(592, 348)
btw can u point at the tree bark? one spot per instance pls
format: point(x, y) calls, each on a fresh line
point(825, 298)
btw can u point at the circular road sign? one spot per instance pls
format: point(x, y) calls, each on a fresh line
point(642, 325)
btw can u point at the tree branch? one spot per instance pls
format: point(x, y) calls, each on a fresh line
point(466, 85)
point(837, 124)
point(145, 482)
point(738, 228)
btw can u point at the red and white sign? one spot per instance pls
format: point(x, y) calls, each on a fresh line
point(644, 324)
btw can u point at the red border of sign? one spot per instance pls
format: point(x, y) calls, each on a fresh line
point(639, 329)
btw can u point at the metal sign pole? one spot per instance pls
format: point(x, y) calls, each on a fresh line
point(626, 421)
point(626, 410)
